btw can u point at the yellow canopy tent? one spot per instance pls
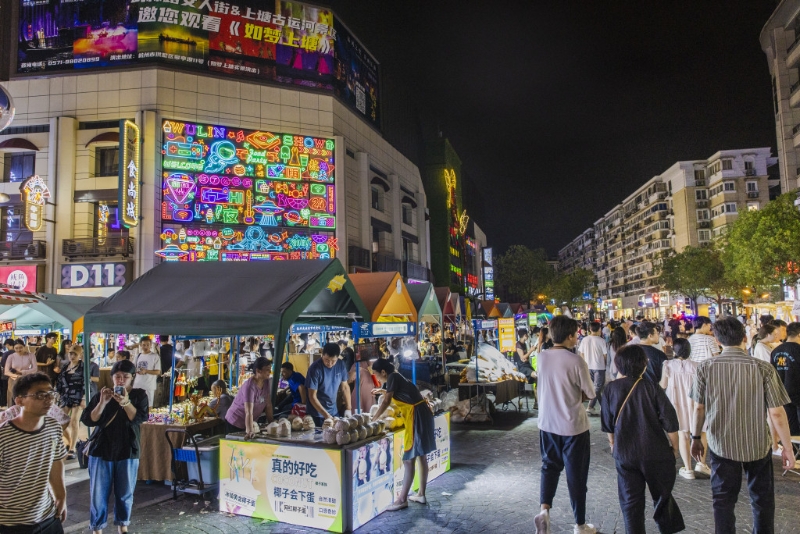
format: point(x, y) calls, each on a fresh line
point(385, 296)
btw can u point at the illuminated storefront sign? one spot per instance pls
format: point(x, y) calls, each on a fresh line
point(230, 194)
point(488, 274)
point(7, 326)
point(20, 277)
point(34, 195)
point(129, 183)
point(74, 275)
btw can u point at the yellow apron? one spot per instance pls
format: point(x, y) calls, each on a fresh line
point(407, 411)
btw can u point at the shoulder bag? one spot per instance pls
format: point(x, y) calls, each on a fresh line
point(626, 401)
point(83, 446)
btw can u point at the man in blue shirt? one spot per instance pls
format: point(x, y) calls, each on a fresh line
point(326, 377)
point(296, 392)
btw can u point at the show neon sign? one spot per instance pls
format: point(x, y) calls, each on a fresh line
point(230, 194)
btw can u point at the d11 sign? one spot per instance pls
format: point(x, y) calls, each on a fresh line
point(74, 276)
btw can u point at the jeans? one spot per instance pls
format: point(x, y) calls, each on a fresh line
point(570, 453)
point(660, 479)
point(599, 380)
point(102, 475)
point(48, 526)
point(726, 481)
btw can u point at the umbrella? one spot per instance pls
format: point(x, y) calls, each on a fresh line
point(10, 295)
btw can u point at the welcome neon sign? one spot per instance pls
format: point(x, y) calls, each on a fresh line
point(230, 194)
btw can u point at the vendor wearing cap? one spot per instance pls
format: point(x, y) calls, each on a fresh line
point(324, 379)
point(419, 431)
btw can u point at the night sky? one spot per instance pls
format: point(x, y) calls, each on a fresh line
point(560, 109)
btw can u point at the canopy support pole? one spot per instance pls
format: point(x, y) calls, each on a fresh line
point(171, 385)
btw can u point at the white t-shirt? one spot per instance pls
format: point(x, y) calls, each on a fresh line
point(594, 351)
point(151, 362)
point(563, 380)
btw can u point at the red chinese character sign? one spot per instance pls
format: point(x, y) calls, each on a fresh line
point(34, 195)
point(230, 194)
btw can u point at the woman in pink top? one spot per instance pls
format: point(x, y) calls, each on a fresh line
point(251, 401)
point(21, 363)
point(366, 385)
point(676, 378)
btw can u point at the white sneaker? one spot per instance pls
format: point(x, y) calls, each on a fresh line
point(686, 473)
point(703, 469)
point(778, 451)
point(592, 410)
point(542, 522)
point(586, 528)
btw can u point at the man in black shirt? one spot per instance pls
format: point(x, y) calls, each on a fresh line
point(648, 334)
point(47, 356)
point(786, 359)
point(165, 353)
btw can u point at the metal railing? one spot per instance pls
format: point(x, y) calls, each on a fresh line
point(415, 271)
point(385, 263)
point(359, 257)
point(15, 250)
point(95, 246)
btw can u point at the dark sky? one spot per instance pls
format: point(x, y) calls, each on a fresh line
point(560, 109)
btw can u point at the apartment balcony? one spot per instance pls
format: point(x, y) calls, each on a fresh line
point(702, 203)
point(794, 98)
point(418, 272)
point(793, 53)
point(359, 258)
point(27, 250)
point(704, 224)
point(386, 263)
point(94, 247)
point(752, 194)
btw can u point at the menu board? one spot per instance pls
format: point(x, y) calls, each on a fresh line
point(296, 485)
point(230, 194)
point(507, 334)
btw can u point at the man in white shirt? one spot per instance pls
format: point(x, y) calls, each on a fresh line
point(703, 344)
point(148, 368)
point(564, 383)
point(594, 350)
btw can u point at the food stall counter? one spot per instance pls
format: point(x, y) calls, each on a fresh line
point(155, 456)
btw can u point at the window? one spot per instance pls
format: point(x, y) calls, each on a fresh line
point(730, 207)
point(714, 168)
point(699, 175)
point(107, 216)
point(12, 227)
point(19, 166)
point(730, 186)
point(727, 164)
point(377, 198)
point(704, 236)
point(752, 206)
point(106, 161)
point(752, 187)
point(748, 165)
point(408, 217)
point(700, 194)
point(703, 215)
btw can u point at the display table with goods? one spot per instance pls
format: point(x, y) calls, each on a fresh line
point(335, 478)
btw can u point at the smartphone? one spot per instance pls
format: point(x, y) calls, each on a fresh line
point(119, 390)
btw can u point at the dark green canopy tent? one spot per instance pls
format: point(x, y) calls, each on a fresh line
point(221, 299)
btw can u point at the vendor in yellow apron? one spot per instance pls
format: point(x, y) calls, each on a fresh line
point(407, 412)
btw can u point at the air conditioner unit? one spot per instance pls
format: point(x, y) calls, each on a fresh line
point(34, 250)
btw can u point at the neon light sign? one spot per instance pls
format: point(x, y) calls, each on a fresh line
point(231, 194)
point(129, 165)
point(35, 192)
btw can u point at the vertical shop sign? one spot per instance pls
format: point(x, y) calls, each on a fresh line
point(129, 165)
point(34, 193)
point(507, 337)
point(488, 274)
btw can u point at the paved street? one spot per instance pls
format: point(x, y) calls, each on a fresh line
point(493, 487)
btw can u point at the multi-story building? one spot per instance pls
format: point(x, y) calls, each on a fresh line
point(689, 204)
point(249, 149)
point(579, 253)
point(780, 41)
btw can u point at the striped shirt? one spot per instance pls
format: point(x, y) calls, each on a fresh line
point(703, 346)
point(25, 462)
point(737, 390)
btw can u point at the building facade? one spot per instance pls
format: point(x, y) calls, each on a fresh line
point(780, 41)
point(231, 168)
point(690, 204)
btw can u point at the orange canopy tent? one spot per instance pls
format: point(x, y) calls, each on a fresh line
point(385, 296)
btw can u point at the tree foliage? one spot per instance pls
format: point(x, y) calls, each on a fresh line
point(523, 273)
point(694, 272)
point(762, 247)
point(569, 288)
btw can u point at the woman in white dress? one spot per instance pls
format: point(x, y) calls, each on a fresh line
point(676, 378)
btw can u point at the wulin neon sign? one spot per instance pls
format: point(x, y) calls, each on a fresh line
point(230, 194)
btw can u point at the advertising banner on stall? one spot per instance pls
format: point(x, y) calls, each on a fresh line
point(278, 41)
point(20, 277)
point(373, 479)
point(506, 334)
point(296, 485)
point(438, 460)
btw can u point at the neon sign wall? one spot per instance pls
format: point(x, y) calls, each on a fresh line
point(230, 194)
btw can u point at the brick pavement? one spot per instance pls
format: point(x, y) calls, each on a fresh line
point(494, 484)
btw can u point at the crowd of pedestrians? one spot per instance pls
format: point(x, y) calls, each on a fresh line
point(687, 390)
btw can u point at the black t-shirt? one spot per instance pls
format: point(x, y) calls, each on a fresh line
point(6, 354)
point(655, 362)
point(403, 389)
point(165, 353)
point(642, 423)
point(786, 359)
point(348, 357)
point(120, 439)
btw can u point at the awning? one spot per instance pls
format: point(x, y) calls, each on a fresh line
point(230, 298)
point(445, 304)
point(58, 310)
point(424, 298)
point(12, 296)
point(385, 296)
point(504, 310)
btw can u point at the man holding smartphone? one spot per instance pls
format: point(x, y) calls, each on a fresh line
point(148, 368)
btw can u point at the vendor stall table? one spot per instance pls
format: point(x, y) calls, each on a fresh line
point(316, 485)
point(504, 393)
point(154, 451)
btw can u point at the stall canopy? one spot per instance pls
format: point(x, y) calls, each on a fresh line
point(231, 299)
point(55, 311)
point(504, 310)
point(490, 308)
point(425, 301)
point(446, 304)
point(385, 296)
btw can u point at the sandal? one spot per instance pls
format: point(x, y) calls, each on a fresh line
point(418, 499)
point(71, 455)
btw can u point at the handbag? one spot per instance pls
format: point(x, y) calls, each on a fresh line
point(83, 446)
